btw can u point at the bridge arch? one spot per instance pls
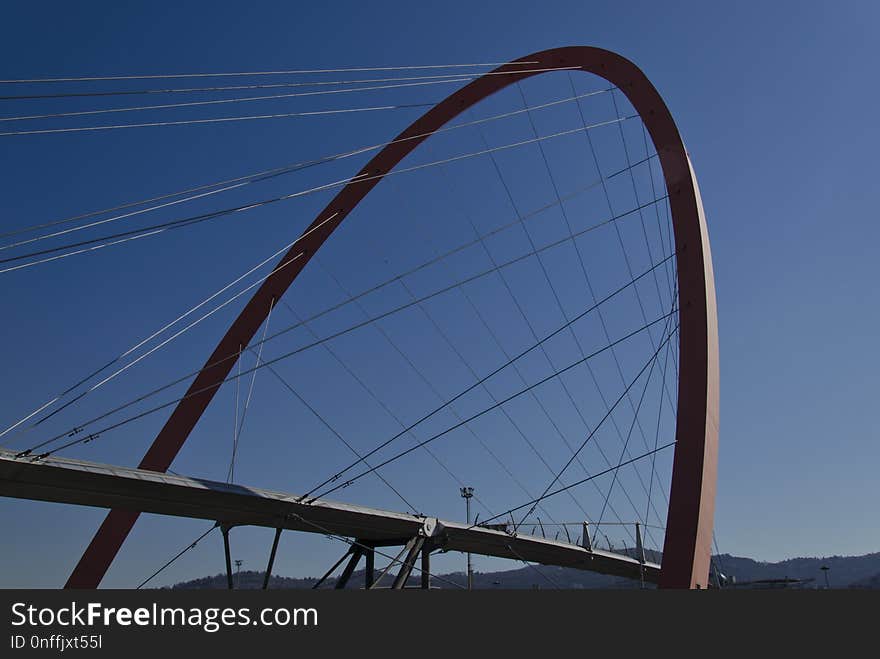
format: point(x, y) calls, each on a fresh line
point(688, 539)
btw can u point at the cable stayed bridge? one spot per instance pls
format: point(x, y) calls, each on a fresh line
point(615, 355)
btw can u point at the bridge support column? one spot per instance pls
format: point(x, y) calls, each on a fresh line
point(271, 559)
point(640, 554)
point(356, 553)
point(426, 567)
point(225, 530)
point(332, 569)
point(370, 566)
point(414, 546)
point(388, 567)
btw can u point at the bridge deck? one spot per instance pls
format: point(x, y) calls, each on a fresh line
point(80, 482)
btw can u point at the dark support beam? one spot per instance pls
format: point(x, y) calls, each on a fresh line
point(370, 566)
point(356, 553)
point(414, 546)
point(225, 530)
point(271, 559)
point(640, 554)
point(426, 567)
point(393, 562)
point(331, 570)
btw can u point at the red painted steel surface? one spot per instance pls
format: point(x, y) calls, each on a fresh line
point(692, 497)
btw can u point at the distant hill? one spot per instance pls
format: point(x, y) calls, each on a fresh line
point(844, 572)
point(524, 578)
point(870, 583)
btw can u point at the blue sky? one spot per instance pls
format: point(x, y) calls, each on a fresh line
point(775, 104)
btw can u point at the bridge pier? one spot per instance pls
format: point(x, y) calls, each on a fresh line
point(370, 566)
point(640, 554)
point(271, 559)
point(426, 567)
point(332, 569)
point(356, 553)
point(413, 547)
point(224, 529)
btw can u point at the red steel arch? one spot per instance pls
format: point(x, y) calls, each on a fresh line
point(688, 541)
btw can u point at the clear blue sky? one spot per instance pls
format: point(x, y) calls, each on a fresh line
point(775, 101)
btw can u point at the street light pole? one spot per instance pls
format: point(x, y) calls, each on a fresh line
point(238, 563)
point(467, 493)
point(825, 569)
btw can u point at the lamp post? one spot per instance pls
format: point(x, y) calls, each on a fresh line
point(238, 563)
point(825, 569)
point(467, 493)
